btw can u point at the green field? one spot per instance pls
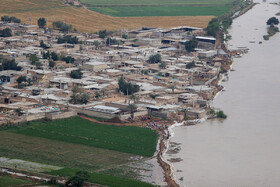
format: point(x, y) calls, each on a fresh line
point(133, 8)
point(133, 140)
point(81, 145)
point(57, 153)
point(9, 181)
point(102, 179)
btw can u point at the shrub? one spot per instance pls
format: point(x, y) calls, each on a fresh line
point(221, 114)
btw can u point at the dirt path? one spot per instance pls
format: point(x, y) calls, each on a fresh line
point(136, 124)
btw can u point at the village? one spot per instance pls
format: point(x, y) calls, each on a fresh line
point(126, 76)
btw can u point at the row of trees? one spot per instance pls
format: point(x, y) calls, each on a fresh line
point(68, 39)
point(54, 56)
point(62, 26)
point(12, 19)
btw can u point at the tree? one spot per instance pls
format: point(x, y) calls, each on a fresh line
point(46, 55)
point(42, 22)
point(125, 36)
point(97, 95)
point(144, 72)
point(7, 32)
point(110, 41)
point(102, 34)
point(132, 108)
point(43, 45)
point(154, 96)
point(272, 21)
point(133, 97)
point(190, 65)
point(191, 45)
point(213, 27)
point(19, 111)
point(6, 64)
point(68, 39)
point(185, 110)
point(68, 59)
point(21, 79)
point(153, 59)
point(85, 98)
point(51, 63)
point(8, 19)
point(96, 44)
point(76, 74)
point(162, 65)
point(103, 92)
point(78, 180)
point(54, 56)
point(127, 88)
point(62, 26)
point(173, 88)
point(34, 59)
point(221, 114)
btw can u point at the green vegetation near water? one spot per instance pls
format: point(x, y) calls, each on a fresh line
point(101, 178)
point(133, 140)
point(9, 181)
point(163, 11)
point(133, 8)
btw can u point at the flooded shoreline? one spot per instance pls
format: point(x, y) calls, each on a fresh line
point(241, 150)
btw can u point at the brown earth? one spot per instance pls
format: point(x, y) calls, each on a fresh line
point(89, 21)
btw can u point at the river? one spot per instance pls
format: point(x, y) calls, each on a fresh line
point(244, 149)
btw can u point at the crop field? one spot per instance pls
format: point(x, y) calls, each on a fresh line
point(163, 11)
point(9, 181)
point(133, 8)
point(133, 140)
point(57, 153)
point(102, 179)
point(89, 21)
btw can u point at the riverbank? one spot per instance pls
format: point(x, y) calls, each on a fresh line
point(238, 150)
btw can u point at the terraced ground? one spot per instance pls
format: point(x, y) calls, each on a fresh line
point(132, 8)
point(89, 21)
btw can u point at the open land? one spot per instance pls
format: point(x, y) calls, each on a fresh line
point(10, 181)
point(132, 8)
point(85, 20)
point(133, 140)
point(79, 145)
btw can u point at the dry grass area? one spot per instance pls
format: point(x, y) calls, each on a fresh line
point(89, 21)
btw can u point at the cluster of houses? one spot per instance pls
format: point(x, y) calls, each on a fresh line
point(178, 87)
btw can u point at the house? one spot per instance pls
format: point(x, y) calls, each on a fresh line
point(95, 66)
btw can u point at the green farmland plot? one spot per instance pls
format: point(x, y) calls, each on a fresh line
point(9, 181)
point(133, 140)
point(133, 8)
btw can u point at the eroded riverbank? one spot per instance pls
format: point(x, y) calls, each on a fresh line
point(241, 150)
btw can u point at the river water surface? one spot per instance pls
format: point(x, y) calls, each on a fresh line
point(244, 149)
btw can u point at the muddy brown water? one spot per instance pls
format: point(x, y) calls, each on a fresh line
point(244, 149)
